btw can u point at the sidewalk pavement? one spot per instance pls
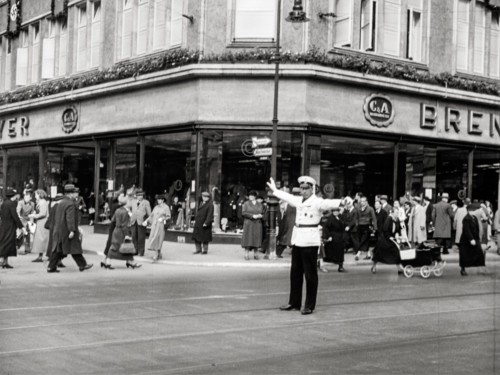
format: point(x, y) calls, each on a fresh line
point(227, 255)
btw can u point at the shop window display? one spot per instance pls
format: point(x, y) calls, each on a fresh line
point(485, 176)
point(351, 165)
point(234, 162)
point(22, 167)
point(72, 163)
point(168, 169)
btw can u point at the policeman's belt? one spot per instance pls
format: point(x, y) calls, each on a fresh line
point(306, 225)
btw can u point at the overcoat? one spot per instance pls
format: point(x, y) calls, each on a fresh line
point(386, 251)
point(121, 220)
point(333, 228)
point(381, 216)
point(252, 228)
point(441, 216)
point(457, 222)
point(286, 221)
point(66, 221)
point(41, 236)
point(9, 221)
point(418, 229)
point(204, 216)
point(160, 214)
point(470, 255)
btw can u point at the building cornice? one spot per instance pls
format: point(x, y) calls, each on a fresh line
point(253, 71)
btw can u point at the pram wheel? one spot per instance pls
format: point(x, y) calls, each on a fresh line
point(408, 271)
point(438, 272)
point(425, 272)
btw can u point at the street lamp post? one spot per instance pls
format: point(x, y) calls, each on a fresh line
point(297, 15)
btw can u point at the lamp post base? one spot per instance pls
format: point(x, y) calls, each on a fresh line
point(272, 203)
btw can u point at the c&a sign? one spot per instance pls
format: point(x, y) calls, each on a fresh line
point(378, 110)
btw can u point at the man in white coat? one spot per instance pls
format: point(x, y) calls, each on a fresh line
point(306, 239)
point(419, 233)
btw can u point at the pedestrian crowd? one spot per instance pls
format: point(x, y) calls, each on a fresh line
point(325, 229)
point(317, 230)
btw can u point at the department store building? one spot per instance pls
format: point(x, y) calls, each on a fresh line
point(207, 125)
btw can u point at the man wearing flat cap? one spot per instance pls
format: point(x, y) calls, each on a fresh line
point(306, 239)
point(66, 235)
point(442, 217)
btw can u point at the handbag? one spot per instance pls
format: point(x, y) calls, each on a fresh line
point(127, 248)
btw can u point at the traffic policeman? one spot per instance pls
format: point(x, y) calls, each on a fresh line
point(306, 238)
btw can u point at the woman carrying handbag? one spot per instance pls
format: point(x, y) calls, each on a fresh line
point(120, 248)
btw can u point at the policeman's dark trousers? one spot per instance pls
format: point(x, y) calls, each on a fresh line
point(198, 246)
point(304, 263)
point(58, 255)
point(364, 237)
point(139, 238)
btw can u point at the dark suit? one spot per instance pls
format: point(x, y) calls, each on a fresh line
point(65, 222)
point(202, 231)
point(8, 224)
point(381, 216)
point(350, 219)
point(286, 222)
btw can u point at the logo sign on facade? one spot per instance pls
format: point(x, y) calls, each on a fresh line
point(378, 110)
point(69, 119)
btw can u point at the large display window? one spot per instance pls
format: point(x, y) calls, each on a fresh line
point(353, 165)
point(22, 167)
point(485, 176)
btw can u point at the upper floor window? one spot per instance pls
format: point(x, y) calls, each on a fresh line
point(254, 19)
point(35, 55)
point(95, 34)
point(142, 26)
point(479, 38)
point(495, 45)
point(48, 51)
point(176, 22)
point(368, 25)
point(81, 37)
point(343, 23)
point(472, 33)
point(414, 30)
point(149, 25)
point(22, 58)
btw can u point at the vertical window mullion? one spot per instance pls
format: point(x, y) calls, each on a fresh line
point(127, 29)
point(96, 34)
point(142, 26)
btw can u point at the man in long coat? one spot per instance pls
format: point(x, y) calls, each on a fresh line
point(66, 236)
point(202, 231)
point(441, 216)
point(470, 252)
point(9, 221)
point(350, 220)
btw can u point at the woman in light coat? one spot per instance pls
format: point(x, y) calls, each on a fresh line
point(40, 216)
point(158, 218)
point(418, 228)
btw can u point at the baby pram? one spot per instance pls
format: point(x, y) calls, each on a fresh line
point(425, 259)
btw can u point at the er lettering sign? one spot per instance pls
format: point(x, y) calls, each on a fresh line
point(378, 110)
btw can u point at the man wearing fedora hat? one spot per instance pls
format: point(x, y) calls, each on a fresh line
point(141, 210)
point(9, 221)
point(306, 239)
point(442, 218)
point(66, 235)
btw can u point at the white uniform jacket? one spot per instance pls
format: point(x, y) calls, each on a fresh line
point(307, 221)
